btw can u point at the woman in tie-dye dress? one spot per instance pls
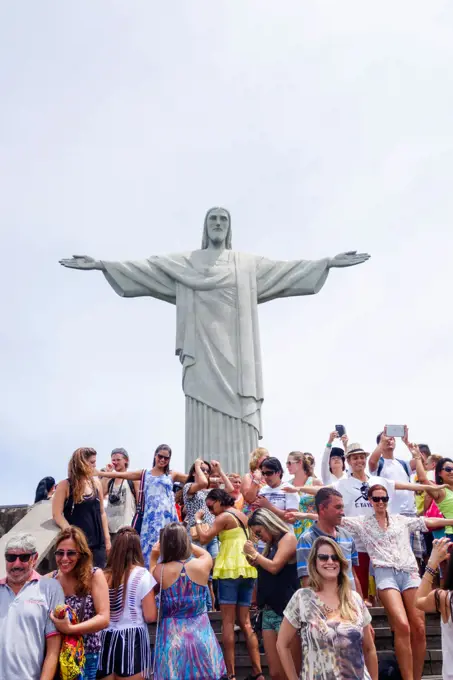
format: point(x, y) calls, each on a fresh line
point(186, 646)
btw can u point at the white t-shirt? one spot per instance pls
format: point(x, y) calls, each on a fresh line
point(403, 502)
point(355, 497)
point(281, 500)
point(139, 584)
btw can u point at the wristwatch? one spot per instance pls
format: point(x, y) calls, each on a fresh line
point(198, 521)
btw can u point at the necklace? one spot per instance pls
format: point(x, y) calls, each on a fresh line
point(330, 610)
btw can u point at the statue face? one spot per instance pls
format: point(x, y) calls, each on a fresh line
point(218, 224)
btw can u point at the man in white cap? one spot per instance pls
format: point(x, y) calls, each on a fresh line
point(30, 644)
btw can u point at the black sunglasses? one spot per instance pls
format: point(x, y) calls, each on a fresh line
point(447, 469)
point(378, 499)
point(268, 473)
point(159, 455)
point(325, 558)
point(25, 557)
point(69, 553)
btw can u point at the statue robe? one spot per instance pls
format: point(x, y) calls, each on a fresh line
point(217, 337)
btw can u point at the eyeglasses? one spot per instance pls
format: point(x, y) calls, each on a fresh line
point(291, 462)
point(379, 499)
point(68, 553)
point(161, 457)
point(24, 557)
point(447, 469)
point(325, 558)
point(267, 473)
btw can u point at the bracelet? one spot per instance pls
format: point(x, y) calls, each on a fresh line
point(255, 481)
point(255, 557)
point(198, 521)
point(328, 445)
point(431, 571)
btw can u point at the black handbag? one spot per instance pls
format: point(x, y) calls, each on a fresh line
point(140, 507)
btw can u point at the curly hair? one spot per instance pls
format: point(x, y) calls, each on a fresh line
point(256, 456)
point(83, 570)
point(80, 471)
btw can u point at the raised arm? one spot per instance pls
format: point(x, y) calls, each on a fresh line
point(217, 469)
point(325, 462)
point(286, 552)
point(135, 475)
point(250, 487)
point(201, 481)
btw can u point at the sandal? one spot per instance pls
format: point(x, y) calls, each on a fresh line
point(255, 677)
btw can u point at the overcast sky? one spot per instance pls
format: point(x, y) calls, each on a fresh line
point(322, 127)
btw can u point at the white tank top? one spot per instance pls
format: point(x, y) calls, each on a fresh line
point(447, 649)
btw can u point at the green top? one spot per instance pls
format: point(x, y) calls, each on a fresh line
point(446, 508)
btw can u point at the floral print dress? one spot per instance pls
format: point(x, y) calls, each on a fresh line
point(158, 512)
point(332, 649)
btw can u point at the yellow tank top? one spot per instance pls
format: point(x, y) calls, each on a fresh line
point(231, 561)
point(446, 508)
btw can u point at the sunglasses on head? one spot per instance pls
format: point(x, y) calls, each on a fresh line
point(267, 473)
point(68, 553)
point(159, 455)
point(379, 499)
point(325, 558)
point(447, 469)
point(25, 557)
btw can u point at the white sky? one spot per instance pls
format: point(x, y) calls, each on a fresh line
point(322, 127)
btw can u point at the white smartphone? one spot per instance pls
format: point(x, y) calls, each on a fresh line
point(394, 430)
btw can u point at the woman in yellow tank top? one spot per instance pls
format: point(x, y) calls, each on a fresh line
point(234, 575)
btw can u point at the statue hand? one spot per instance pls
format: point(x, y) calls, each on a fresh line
point(349, 259)
point(81, 262)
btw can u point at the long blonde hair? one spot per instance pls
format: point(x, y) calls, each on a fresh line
point(256, 456)
point(80, 471)
point(269, 520)
point(348, 611)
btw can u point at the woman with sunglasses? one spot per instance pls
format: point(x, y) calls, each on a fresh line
point(86, 592)
point(125, 645)
point(332, 621)
point(156, 496)
point(79, 501)
point(277, 579)
point(302, 467)
point(235, 576)
point(443, 475)
point(387, 541)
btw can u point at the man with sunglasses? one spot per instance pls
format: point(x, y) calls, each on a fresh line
point(30, 643)
point(271, 496)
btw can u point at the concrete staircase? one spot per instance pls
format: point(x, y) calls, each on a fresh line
point(384, 644)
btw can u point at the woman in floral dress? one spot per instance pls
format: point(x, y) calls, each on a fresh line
point(156, 489)
point(303, 470)
point(332, 620)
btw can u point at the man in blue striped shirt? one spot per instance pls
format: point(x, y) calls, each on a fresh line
point(330, 508)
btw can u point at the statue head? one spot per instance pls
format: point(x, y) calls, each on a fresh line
point(217, 228)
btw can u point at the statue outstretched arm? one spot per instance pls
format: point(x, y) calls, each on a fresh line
point(82, 262)
point(141, 278)
point(277, 279)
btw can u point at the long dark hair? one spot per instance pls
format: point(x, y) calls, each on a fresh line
point(162, 447)
point(126, 553)
point(174, 543)
point(43, 488)
point(439, 467)
point(191, 476)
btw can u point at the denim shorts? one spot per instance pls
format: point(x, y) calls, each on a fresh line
point(271, 620)
point(396, 579)
point(235, 591)
point(212, 547)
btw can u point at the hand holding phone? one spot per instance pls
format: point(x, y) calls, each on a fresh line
point(394, 431)
point(341, 430)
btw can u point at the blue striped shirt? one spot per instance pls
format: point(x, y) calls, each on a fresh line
point(344, 539)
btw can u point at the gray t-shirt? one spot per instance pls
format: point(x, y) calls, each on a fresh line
point(24, 626)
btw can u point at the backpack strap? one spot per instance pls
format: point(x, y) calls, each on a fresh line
point(379, 467)
point(132, 488)
point(404, 464)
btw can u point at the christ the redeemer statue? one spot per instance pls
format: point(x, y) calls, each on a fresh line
point(216, 291)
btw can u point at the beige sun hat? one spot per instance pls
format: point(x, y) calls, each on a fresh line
point(355, 448)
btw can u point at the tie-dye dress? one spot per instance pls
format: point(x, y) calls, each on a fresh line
point(186, 646)
point(159, 510)
point(306, 504)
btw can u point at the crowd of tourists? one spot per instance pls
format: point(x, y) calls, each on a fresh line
point(294, 566)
